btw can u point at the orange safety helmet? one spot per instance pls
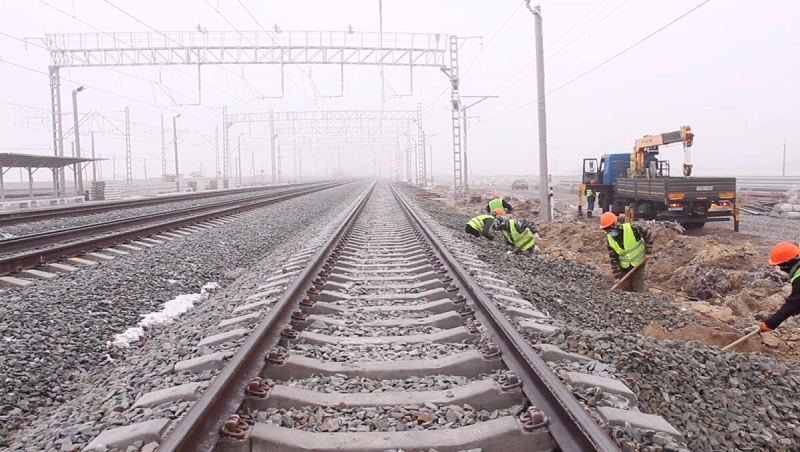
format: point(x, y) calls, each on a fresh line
point(783, 252)
point(495, 196)
point(499, 211)
point(592, 181)
point(607, 219)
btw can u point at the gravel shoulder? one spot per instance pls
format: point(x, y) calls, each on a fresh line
point(720, 401)
point(59, 371)
point(54, 224)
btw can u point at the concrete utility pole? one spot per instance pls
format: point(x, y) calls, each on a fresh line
point(175, 139)
point(78, 173)
point(783, 173)
point(128, 158)
point(544, 180)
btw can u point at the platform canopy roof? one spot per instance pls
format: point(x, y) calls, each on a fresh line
point(8, 160)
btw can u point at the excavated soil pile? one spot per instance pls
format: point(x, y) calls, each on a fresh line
point(706, 267)
point(729, 280)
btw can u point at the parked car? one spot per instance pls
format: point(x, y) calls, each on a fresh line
point(520, 184)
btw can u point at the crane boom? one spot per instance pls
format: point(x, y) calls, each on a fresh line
point(649, 144)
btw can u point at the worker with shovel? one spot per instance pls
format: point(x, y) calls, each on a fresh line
point(786, 256)
point(627, 246)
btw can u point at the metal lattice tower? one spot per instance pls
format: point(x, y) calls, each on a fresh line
point(163, 151)
point(409, 154)
point(128, 163)
point(226, 159)
point(272, 138)
point(421, 167)
point(455, 99)
point(216, 153)
point(59, 181)
point(160, 49)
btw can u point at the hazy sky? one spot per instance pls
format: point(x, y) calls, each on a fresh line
point(729, 69)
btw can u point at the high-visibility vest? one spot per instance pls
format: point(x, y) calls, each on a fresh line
point(477, 222)
point(496, 203)
point(795, 275)
point(589, 192)
point(517, 238)
point(633, 252)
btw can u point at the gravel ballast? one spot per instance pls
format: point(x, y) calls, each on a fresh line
point(169, 204)
point(720, 401)
point(55, 361)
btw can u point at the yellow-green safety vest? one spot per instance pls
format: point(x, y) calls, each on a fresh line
point(795, 275)
point(633, 253)
point(477, 222)
point(517, 238)
point(495, 203)
point(589, 192)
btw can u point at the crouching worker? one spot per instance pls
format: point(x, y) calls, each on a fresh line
point(627, 246)
point(481, 226)
point(518, 233)
point(787, 257)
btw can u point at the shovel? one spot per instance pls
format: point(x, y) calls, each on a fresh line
point(521, 245)
point(746, 337)
point(628, 274)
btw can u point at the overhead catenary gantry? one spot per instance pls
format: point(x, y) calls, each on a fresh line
point(369, 122)
point(191, 48)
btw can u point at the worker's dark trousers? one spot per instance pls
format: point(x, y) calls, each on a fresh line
point(635, 283)
point(591, 204)
point(469, 230)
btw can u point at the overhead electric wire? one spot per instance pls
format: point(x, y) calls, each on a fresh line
point(628, 48)
point(310, 78)
point(464, 74)
point(601, 64)
point(575, 25)
point(587, 30)
point(165, 35)
point(253, 44)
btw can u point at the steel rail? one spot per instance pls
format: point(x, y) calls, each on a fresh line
point(570, 424)
point(39, 257)
point(198, 431)
point(47, 238)
point(26, 216)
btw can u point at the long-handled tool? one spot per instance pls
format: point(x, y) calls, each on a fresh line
point(675, 294)
point(629, 274)
point(746, 337)
point(516, 250)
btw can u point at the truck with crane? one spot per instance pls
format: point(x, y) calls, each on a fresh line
point(642, 182)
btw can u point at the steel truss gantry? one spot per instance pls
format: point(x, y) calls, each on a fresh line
point(160, 49)
point(369, 122)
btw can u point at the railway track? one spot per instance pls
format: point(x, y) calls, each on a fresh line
point(39, 250)
point(372, 338)
point(26, 216)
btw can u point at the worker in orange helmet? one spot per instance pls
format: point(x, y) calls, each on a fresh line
point(786, 256)
point(498, 203)
point(627, 246)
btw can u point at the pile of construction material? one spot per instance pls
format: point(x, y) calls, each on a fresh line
point(786, 210)
point(102, 190)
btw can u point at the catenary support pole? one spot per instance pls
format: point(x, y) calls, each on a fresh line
point(544, 182)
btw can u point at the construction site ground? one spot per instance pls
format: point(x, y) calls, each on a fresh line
point(714, 272)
